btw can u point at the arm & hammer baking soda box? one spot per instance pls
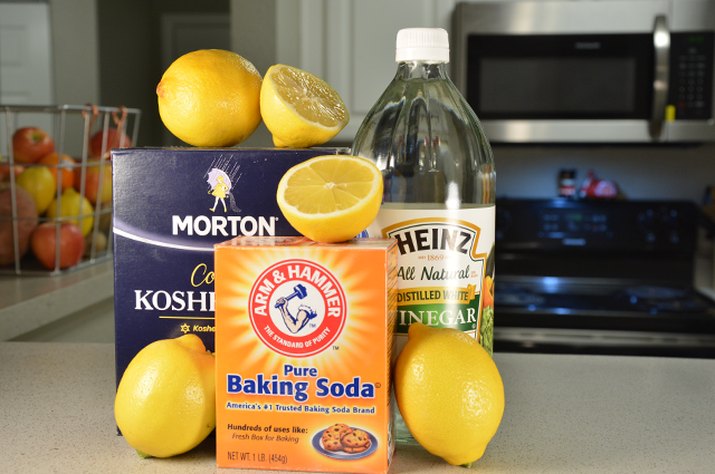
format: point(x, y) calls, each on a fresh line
point(171, 205)
point(303, 342)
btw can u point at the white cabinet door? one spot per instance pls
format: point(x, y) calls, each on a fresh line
point(25, 65)
point(25, 62)
point(351, 43)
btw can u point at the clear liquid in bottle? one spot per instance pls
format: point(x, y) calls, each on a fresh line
point(439, 193)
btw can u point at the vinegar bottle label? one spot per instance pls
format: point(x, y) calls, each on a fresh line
point(442, 268)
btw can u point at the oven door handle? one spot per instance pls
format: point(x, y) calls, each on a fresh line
point(661, 75)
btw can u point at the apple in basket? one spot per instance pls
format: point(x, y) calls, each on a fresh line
point(44, 244)
point(96, 174)
point(29, 144)
point(114, 139)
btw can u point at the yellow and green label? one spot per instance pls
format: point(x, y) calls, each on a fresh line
point(442, 265)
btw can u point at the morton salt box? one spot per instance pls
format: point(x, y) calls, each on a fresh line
point(171, 205)
point(303, 346)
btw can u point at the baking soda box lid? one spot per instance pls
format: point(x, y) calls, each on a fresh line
point(303, 344)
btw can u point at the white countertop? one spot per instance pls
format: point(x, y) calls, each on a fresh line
point(29, 302)
point(564, 414)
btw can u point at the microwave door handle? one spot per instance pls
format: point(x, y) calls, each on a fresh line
point(661, 73)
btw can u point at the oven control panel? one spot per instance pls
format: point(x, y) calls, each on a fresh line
point(620, 226)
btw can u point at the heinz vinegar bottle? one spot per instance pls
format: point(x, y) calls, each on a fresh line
point(439, 191)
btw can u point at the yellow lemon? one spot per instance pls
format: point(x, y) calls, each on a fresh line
point(40, 184)
point(165, 403)
point(331, 198)
point(300, 109)
point(449, 392)
point(210, 97)
point(73, 207)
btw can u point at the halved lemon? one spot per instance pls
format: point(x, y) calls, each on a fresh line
point(331, 198)
point(300, 109)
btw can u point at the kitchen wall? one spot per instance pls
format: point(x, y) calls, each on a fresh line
point(279, 29)
point(130, 54)
point(109, 52)
point(254, 35)
point(123, 46)
point(642, 172)
point(50, 52)
point(75, 53)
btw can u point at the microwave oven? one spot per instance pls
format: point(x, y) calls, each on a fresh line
point(620, 71)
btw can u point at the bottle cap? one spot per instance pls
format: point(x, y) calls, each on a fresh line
point(422, 44)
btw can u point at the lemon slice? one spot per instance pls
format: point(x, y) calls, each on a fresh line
point(300, 109)
point(331, 198)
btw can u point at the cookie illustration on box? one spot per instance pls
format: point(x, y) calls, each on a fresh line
point(357, 441)
point(332, 436)
point(344, 442)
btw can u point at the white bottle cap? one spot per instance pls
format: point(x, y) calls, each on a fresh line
point(422, 44)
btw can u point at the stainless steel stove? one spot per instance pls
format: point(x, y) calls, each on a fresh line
point(600, 277)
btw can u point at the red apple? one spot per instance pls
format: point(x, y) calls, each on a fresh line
point(29, 144)
point(92, 180)
point(43, 244)
point(114, 139)
point(25, 219)
point(5, 171)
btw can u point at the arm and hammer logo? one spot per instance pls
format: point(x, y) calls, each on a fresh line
point(297, 307)
point(221, 178)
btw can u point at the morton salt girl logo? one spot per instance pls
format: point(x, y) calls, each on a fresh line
point(220, 184)
point(297, 308)
point(224, 219)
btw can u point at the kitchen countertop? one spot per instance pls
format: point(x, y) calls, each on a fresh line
point(564, 413)
point(29, 302)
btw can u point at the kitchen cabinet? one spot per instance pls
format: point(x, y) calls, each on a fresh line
point(351, 43)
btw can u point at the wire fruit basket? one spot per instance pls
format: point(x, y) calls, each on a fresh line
point(56, 184)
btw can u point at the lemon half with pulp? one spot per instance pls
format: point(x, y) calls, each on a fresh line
point(299, 108)
point(331, 198)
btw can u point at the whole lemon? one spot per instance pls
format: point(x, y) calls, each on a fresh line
point(40, 184)
point(73, 207)
point(210, 97)
point(165, 403)
point(449, 392)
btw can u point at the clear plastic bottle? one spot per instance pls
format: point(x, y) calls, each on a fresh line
point(439, 196)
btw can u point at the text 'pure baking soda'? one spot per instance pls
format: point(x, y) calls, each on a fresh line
point(439, 184)
point(303, 342)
